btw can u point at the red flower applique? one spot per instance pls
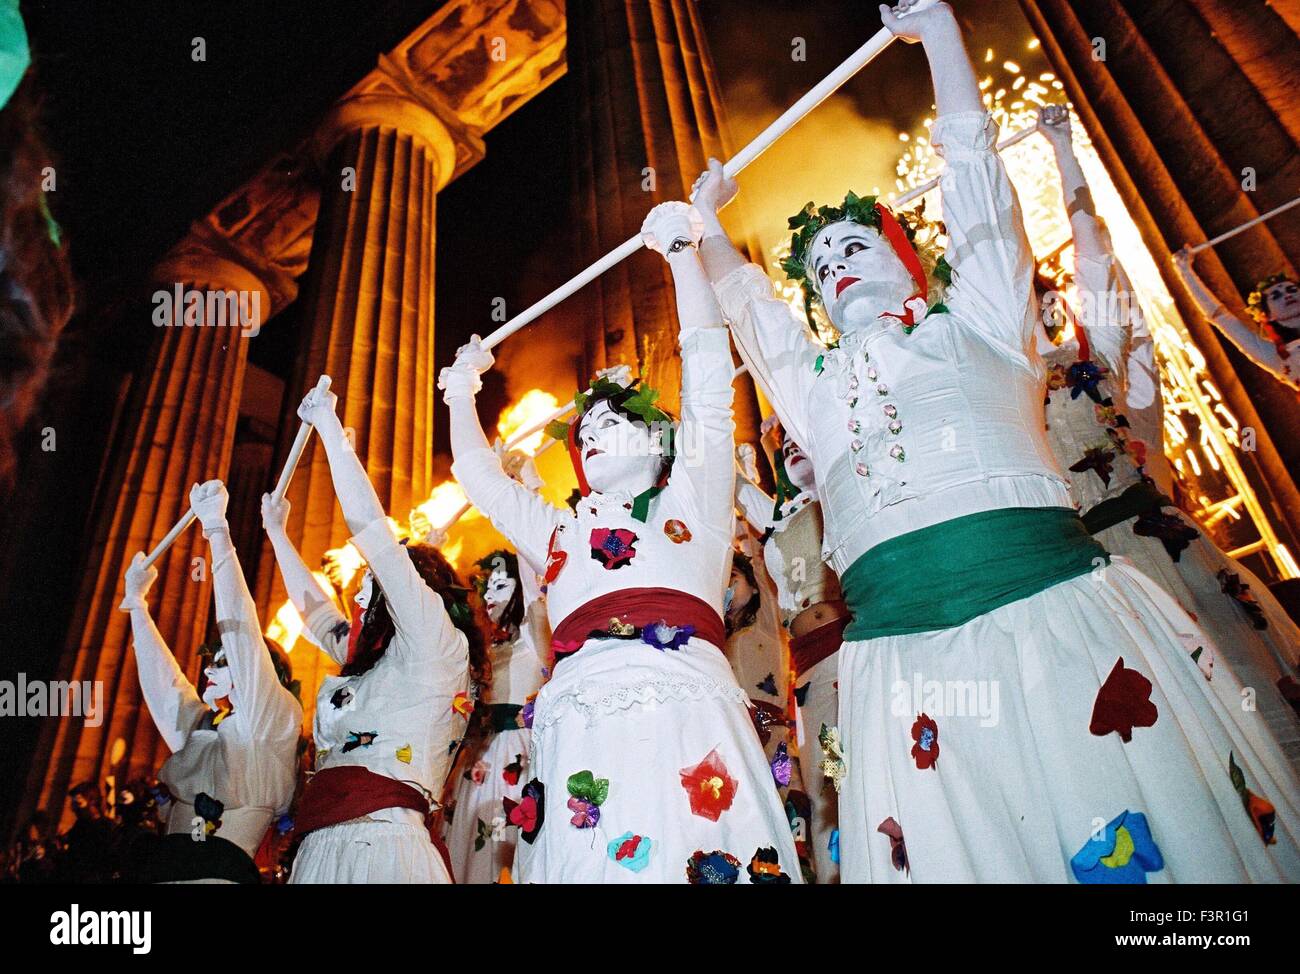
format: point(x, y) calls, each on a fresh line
point(613, 547)
point(897, 847)
point(677, 531)
point(1123, 702)
point(709, 788)
point(925, 752)
point(511, 773)
point(554, 559)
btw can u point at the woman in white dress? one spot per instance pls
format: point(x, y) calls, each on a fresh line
point(493, 765)
point(1115, 469)
point(386, 727)
point(813, 612)
point(234, 742)
point(646, 766)
point(1013, 706)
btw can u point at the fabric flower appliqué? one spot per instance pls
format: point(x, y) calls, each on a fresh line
point(613, 547)
point(529, 812)
point(833, 765)
point(768, 685)
point(1085, 377)
point(1099, 460)
point(1235, 589)
point(587, 794)
point(479, 773)
point(1123, 853)
point(897, 847)
point(1123, 702)
point(462, 704)
point(781, 766)
point(662, 636)
point(677, 531)
point(765, 868)
point(512, 772)
point(630, 851)
point(555, 559)
point(925, 732)
point(1169, 529)
point(716, 868)
point(358, 739)
point(709, 788)
point(1261, 811)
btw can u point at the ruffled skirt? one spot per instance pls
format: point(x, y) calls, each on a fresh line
point(363, 851)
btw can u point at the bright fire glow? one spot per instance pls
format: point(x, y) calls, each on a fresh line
point(532, 408)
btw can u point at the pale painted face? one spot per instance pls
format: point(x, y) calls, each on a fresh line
point(218, 686)
point(365, 594)
point(1282, 302)
point(797, 466)
point(858, 275)
point(617, 454)
point(498, 592)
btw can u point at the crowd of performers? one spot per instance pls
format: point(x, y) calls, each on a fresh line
point(970, 639)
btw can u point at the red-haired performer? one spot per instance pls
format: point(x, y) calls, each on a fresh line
point(386, 727)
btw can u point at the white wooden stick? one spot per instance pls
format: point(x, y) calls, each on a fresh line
point(1246, 226)
point(186, 520)
point(858, 60)
point(916, 192)
point(295, 451)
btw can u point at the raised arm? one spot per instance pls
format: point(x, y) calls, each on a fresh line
point(173, 702)
point(352, 485)
point(320, 615)
point(1253, 345)
point(261, 698)
point(987, 245)
point(707, 431)
point(521, 515)
point(753, 502)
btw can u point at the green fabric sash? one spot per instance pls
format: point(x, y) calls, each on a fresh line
point(1136, 499)
point(945, 575)
point(503, 716)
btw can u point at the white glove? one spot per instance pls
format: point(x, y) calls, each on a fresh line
point(619, 374)
point(520, 466)
point(461, 379)
point(317, 407)
point(1183, 258)
point(208, 502)
point(713, 189)
point(672, 227)
point(275, 513)
point(747, 457)
point(139, 579)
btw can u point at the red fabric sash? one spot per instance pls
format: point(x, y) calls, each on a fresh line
point(639, 607)
point(337, 795)
point(811, 648)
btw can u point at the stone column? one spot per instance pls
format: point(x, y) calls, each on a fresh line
point(177, 426)
point(646, 99)
point(367, 321)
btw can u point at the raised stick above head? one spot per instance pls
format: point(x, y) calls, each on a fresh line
point(1246, 226)
point(858, 60)
point(295, 451)
point(916, 192)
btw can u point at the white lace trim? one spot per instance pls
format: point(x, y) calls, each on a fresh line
point(601, 700)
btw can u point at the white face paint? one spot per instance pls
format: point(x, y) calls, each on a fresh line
point(797, 466)
point(498, 592)
point(858, 275)
point(218, 685)
point(1282, 303)
point(365, 592)
point(617, 454)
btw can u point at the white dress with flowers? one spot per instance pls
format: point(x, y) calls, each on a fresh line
point(492, 770)
point(1066, 735)
point(646, 765)
point(1102, 454)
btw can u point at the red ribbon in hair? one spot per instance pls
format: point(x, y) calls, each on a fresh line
point(892, 231)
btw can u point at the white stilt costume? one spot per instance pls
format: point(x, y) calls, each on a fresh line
point(808, 594)
point(234, 750)
point(1107, 460)
point(646, 764)
point(386, 727)
point(494, 766)
point(1012, 707)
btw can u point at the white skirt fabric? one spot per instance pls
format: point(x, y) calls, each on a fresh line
point(639, 717)
point(821, 701)
point(369, 851)
point(478, 840)
point(1258, 658)
point(1016, 785)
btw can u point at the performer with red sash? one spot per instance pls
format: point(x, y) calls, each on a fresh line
point(387, 725)
point(646, 765)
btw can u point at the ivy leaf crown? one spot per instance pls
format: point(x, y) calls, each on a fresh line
point(634, 400)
